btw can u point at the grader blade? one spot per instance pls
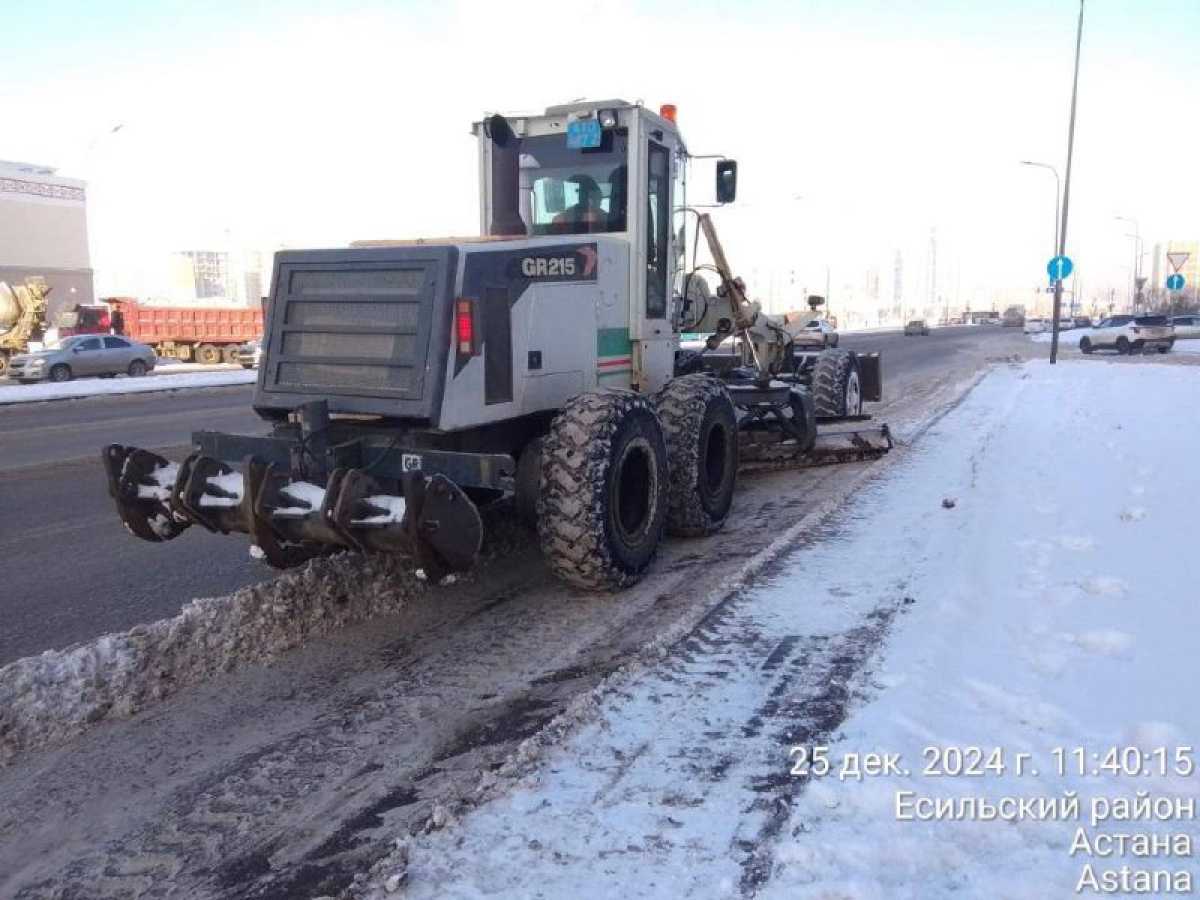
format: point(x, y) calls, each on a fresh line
point(776, 449)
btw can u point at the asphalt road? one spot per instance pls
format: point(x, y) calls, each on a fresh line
point(71, 572)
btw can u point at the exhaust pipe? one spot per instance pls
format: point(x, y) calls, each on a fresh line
point(291, 521)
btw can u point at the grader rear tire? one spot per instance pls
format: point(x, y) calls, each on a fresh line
point(602, 503)
point(836, 388)
point(700, 427)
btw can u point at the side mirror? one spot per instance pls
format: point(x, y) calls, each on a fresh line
point(726, 180)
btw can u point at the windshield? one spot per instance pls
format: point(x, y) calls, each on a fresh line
point(565, 191)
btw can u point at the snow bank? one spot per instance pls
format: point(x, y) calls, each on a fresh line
point(1032, 613)
point(47, 698)
point(86, 387)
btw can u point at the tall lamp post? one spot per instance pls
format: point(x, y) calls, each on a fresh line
point(1057, 196)
point(1066, 197)
point(1137, 259)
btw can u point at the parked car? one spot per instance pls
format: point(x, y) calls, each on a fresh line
point(249, 354)
point(1066, 323)
point(1186, 326)
point(1036, 326)
point(1130, 334)
point(916, 327)
point(83, 355)
point(820, 332)
point(992, 320)
point(1083, 321)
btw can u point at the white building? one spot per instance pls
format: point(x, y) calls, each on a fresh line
point(43, 231)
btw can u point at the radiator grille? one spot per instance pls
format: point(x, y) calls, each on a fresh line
point(356, 326)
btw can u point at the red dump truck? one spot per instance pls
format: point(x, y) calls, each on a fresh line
point(207, 334)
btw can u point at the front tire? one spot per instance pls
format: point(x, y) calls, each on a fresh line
point(602, 503)
point(1085, 345)
point(700, 427)
point(60, 373)
point(1123, 345)
point(836, 386)
point(137, 369)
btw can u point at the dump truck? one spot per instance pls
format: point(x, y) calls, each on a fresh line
point(411, 382)
point(22, 317)
point(206, 334)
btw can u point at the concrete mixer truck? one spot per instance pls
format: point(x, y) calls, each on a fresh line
point(22, 317)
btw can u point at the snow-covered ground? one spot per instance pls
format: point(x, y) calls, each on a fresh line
point(1023, 579)
point(170, 380)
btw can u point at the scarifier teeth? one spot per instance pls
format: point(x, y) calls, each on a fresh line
point(141, 485)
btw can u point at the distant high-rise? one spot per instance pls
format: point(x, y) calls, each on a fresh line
point(211, 272)
point(898, 287)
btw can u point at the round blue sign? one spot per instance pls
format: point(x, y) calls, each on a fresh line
point(1060, 267)
point(1175, 282)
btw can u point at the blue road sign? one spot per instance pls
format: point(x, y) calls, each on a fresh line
point(1175, 282)
point(1060, 267)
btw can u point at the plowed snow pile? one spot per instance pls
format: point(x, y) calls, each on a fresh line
point(1024, 580)
point(46, 698)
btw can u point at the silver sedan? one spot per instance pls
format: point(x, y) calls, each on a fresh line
point(82, 355)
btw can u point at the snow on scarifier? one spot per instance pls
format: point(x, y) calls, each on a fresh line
point(47, 698)
point(998, 623)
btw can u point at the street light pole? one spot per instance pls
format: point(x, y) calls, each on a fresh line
point(1057, 199)
point(1137, 259)
point(1062, 235)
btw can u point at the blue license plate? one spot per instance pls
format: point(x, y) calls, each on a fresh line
point(583, 134)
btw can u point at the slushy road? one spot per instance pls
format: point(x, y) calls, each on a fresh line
point(71, 572)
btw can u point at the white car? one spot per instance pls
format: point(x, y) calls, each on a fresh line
point(1036, 326)
point(1130, 334)
point(1186, 326)
point(1066, 324)
point(820, 331)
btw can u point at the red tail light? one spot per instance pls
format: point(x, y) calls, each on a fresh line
point(464, 327)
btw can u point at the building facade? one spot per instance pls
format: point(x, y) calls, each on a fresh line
point(43, 232)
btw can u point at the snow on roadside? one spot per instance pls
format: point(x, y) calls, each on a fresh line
point(47, 698)
point(994, 589)
point(87, 387)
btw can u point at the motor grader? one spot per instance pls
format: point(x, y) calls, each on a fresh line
point(408, 383)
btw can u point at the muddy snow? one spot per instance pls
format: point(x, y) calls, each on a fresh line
point(47, 698)
point(1031, 614)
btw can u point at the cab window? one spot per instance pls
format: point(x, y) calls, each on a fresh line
point(658, 229)
point(574, 191)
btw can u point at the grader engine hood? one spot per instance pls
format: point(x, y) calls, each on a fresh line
point(364, 328)
point(372, 329)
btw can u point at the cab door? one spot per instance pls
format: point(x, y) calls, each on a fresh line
point(656, 344)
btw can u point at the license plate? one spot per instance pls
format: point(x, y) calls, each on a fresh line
point(583, 134)
point(410, 462)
